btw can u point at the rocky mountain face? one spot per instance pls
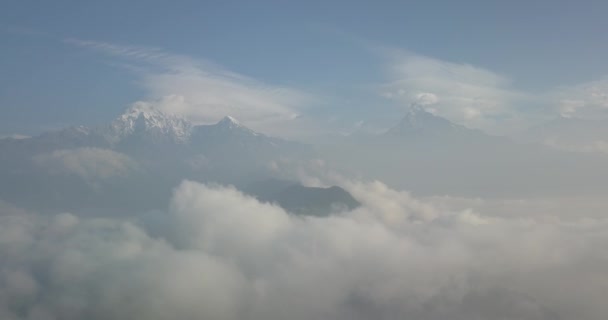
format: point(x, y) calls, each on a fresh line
point(134, 162)
point(299, 199)
point(142, 123)
point(143, 153)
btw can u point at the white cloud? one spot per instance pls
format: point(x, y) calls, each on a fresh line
point(148, 54)
point(463, 93)
point(223, 255)
point(91, 164)
point(204, 92)
point(426, 99)
point(483, 99)
point(14, 136)
point(586, 100)
point(466, 94)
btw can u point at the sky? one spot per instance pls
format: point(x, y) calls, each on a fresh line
point(290, 68)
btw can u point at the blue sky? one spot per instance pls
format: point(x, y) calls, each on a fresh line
point(316, 64)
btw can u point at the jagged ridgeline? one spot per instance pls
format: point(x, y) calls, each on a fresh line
point(299, 199)
point(135, 161)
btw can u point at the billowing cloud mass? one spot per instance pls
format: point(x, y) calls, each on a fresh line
point(218, 254)
point(90, 164)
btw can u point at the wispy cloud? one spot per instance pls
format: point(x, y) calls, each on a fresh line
point(586, 100)
point(461, 92)
point(202, 91)
point(137, 52)
point(467, 94)
point(481, 98)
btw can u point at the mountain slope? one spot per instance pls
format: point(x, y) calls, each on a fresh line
point(419, 124)
point(142, 126)
point(315, 201)
point(143, 123)
point(161, 150)
point(300, 199)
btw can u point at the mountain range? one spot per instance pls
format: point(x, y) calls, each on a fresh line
point(143, 126)
point(431, 155)
point(134, 162)
point(419, 123)
point(141, 154)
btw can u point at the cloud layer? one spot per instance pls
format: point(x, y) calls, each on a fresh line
point(461, 92)
point(218, 254)
point(202, 91)
point(586, 100)
point(483, 99)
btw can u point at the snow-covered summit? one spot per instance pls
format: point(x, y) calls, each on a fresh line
point(144, 120)
point(231, 124)
point(229, 121)
point(419, 121)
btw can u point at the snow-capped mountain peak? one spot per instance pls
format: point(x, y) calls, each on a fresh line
point(417, 120)
point(229, 123)
point(142, 119)
point(150, 117)
point(230, 120)
point(143, 123)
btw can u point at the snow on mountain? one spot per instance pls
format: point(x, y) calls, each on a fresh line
point(419, 122)
point(144, 125)
point(230, 124)
point(142, 128)
point(146, 122)
point(164, 148)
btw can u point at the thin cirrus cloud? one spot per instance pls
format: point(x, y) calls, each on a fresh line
point(483, 99)
point(463, 93)
point(202, 91)
point(586, 100)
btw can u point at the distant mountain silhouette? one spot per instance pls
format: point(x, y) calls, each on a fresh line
point(300, 199)
point(163, 149)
